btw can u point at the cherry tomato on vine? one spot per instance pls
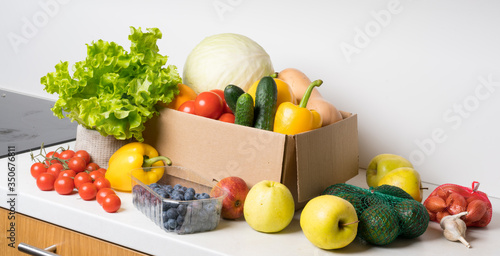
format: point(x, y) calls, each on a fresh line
point(49, 155)
point(111, 203)
point(77, 164)
point(64, 185)
point(102, 182)
point(227, 117)
point(67, 154)
point(45, 181)
point(187, 106)
point(92, 167)
point(37, 169)
point(208, 104)
point(226, 108)
point(87, 191)
point(82, 178)
point(102, 170)
point(55, 169)
point(83, 154)
point(102, 193)
point(67, 173)
point(95, 174)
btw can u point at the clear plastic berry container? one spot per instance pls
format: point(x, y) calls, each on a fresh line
point(163, 204)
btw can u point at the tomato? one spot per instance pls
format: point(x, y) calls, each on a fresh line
point(92, 167)
point(83, 154)
point(102, 170)
point(111, 203)
point(226, 108)
point(102, 182)
point(208, 104)
point(45, 181)
point(55, 169)
point(67, 154)
point(95, 174)
point(37, 169)
point(77, 164)
point(67, 173)
point(64, 185)
point(87, 191)
point(82, 178)
point(50, 155)
point(227, 117)
point(187, 106)
point(102, 193)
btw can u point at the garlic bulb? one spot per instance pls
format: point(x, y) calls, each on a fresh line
point(454, 228)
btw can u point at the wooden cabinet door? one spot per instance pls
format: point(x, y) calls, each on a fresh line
point(42, 235)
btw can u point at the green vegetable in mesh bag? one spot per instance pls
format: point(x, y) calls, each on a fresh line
point(411, 215)
point(378, 224)
point(385, 212)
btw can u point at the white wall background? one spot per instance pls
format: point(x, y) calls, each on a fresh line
point(423, 76)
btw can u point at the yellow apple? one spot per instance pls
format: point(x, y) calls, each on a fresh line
point(269, 207)
point(329, 222)
point(382, 164)
point(405, 178)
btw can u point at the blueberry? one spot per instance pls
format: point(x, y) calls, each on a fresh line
point(190, 190)
point(172, 224)
point(196, 205)
point(210, 207)
point(177, 186)
point(180, 220)
point(188, 196)
point(203, 216)
point(178, 197)
point(154, 185)
point(177, 192)
point(204, 196)
point(169, 189)
point(162, 193)
point(182, 209)
point(164, 216)
point(172, 213)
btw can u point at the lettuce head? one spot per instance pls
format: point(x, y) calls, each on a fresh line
point(114, 91)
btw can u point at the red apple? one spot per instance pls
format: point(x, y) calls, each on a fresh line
point(237, 190)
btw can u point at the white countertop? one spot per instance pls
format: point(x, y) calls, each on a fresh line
point(132, 229)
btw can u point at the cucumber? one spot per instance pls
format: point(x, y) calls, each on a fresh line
point(244, 110)
point(266, 97)
point(231, 95)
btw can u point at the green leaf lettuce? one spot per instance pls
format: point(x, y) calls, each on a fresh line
point(113, 91)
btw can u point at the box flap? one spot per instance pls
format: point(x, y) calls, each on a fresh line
point(326, 156)
point(215, 149)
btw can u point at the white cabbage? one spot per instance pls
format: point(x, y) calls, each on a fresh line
point(224, 59)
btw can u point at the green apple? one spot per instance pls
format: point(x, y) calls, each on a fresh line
point(381, 165)
point(329, 222)
point(405, 178)
point(269, 207)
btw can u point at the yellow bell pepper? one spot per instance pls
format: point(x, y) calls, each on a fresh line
point(293, 119)
point(285, 93)
point(132, 156)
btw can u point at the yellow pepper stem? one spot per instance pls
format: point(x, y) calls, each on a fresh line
point(148, 162)
point(307, 94)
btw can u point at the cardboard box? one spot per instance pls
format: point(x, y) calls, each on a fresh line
point(306, 163)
